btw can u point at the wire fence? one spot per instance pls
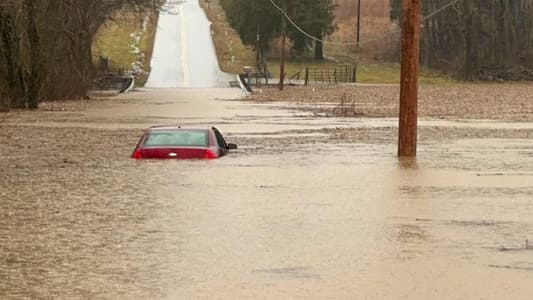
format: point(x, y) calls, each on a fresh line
point(330, 75)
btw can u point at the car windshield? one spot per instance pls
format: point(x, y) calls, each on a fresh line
point(185, 138)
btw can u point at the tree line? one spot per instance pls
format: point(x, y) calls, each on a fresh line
point(258, 22)
point(474, 39)
point(46, 46)
point(482, 39)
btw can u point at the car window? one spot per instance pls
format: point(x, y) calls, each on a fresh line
point(193, 138)
point(220, 139)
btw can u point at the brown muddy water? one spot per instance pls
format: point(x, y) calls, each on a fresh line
point(307, 208)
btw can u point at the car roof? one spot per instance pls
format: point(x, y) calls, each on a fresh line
point(178, 128)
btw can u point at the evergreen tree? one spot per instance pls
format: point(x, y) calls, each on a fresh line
point(260, 17)
point(315, 17)
point(256, 22)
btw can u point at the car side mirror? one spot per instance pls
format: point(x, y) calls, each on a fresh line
point(232, 146)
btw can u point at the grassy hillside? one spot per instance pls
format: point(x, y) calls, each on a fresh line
point(118, 40)
point(232, 53)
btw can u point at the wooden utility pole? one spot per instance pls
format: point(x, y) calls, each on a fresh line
point(283, 41)
point(258, 45)
point(409, 79)
point(358, 22)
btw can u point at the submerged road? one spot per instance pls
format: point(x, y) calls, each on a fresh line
point(303, 210)
point(184, 54)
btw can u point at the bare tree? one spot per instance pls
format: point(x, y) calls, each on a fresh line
point(46, 46)
point(478, 37)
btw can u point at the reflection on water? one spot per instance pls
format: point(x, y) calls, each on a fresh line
point(408, 163)
point(79, 219)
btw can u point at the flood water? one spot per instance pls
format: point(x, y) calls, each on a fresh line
point(307, 208)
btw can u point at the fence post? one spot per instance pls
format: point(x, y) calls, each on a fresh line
point(354, 76)
point(306, 76)
point(346, 74)
point(266, 74)
point(4, 101)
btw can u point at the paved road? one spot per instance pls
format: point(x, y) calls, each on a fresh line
point(184, 55)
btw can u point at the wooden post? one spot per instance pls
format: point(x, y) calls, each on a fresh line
point(4, 100)
point(283, 41)
point(358, 21)
point(33, 86)
point(265, 71)
point(407, 140)
point(258, 45)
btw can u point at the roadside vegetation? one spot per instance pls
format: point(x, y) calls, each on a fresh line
point(124, 44)
point(376, 62)
point(466, 40)
point(231, 52)
point(368, 71)
point(484, 40)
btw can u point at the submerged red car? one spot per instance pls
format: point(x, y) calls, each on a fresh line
point(176, 142)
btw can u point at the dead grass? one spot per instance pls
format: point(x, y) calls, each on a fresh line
point(377, 56)
point(379, 39)
point(375, 24)
point(347, 9)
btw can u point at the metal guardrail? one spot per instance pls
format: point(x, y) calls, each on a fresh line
point(243, 83)
point(115, 82)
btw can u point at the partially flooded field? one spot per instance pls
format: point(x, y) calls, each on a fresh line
point(509, 102)
point(307, 208)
